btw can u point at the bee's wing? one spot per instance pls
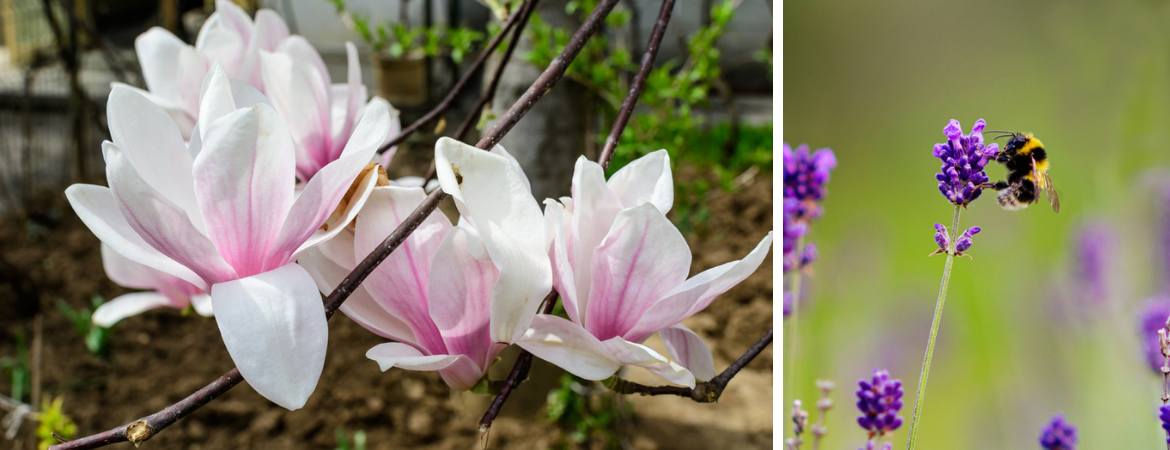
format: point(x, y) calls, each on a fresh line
point(1050, 192)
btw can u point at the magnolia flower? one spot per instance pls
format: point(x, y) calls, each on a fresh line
point(222, 213)
point(621, 269)
point(451, 296)
point(174, 71)
point(163, 289)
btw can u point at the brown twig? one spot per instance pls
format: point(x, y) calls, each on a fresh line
point(704, 392)
point(449, 100)
point(143, 429)
point(623, 116)
point(554, 72)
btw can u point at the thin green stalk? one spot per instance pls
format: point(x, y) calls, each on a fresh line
point(790, 374)
point(938, 308)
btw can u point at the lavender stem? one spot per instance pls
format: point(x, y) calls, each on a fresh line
point(938, 308)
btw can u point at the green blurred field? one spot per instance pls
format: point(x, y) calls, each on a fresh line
point(877, 82)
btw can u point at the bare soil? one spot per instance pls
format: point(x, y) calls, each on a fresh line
point(157, 358)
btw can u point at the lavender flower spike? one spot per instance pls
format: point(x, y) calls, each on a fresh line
point(1153, 318)
point(805, 175)
point(1058, 434)
point(964, 157)
point(943, 239)
point(879, 400)
point(1165, 417)
point(1094, 250)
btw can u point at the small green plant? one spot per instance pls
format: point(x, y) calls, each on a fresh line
point(359, 440)
point(17, 368)
point(97, 338)
point(582, 415)
point(52, 420)
point(399, 39)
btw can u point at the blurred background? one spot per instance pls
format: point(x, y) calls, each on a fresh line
point(1022, 336)
point(708, 102)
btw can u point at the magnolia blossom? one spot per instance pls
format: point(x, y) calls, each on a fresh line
point(451, 296)
point(223, 214)
point(163, 289)
point(621, 269)
point(174, 71)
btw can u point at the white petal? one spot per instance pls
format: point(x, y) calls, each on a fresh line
point(594, 208)
point(645, 357)
point(699, 291)
point(128, 305)
point(646, 179)
point(215, 99)
point(566, 284)
point(689, 350)
point(127, 273)
point(508, 219)
point(569, 347)
point(184, 118)
point(457, 370)
point(154, 146)
point(98, 209)
point(202, 305)
point(273, 325)
point(158, 54)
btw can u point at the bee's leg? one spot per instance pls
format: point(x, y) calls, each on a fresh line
point(998, 185)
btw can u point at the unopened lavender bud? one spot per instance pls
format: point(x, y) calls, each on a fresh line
point(964, 241)
point(941, 237)
point(809, 255)
point(1058, 434)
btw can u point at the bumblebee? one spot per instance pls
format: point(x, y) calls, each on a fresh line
point(1027, 165)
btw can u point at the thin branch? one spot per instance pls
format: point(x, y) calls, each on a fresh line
point(623, 116)
point(143, 429)
point(490, 92)
point(518, 374)
point(449, 100)
point(704, 392)
point(556, 69)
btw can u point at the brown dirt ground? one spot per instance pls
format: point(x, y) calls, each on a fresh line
point(160, 357)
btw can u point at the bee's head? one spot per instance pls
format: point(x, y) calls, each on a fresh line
point(1016, 141)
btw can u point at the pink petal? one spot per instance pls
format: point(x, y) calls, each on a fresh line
point(457, 370)
point(563, 279)
point(400, 283)
point(460, 297)
point(123, 306)
point(696, 293)
point(646, 179)
point(325, 190)
point(301, 96)
point(162, 224)
point(360, 306)
point(224, 36)
point(273, 325)
point(131, 274)
point(641, 259)
point(245, 179)
point(689, 350)
point(595, 208)
point(645, 357)
point(268, 32)
point(497, 200)
point(99, 210)
point(569, 347)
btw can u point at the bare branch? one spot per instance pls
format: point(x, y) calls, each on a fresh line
point(623, 116)
point(490, 92)
point(518, 374)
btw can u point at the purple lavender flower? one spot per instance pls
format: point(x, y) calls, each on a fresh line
point(809, 255)
point(879, 400)
point(1153, 318)
point(793, 231)
point(872, 445)
point(943, 238)
point(805, 175)
point(1165, 416)
point(1058, 434)
point(787, 304)
point(1094, 246)
point(964, 157)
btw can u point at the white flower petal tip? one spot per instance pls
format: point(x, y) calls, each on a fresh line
point(634, 354)
point(689, 350)
point(569, 347)
point(274, 327)
point(458, 371)
point(127, 305)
